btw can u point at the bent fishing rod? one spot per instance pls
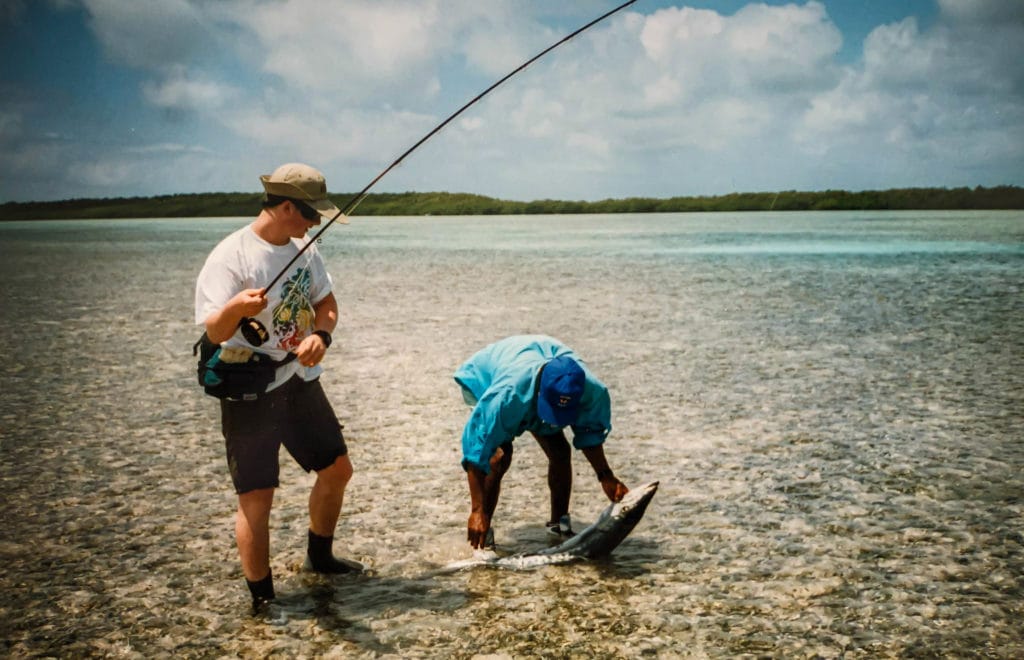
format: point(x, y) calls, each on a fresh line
point(361, 195)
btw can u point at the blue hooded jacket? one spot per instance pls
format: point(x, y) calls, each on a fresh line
point(500, 382)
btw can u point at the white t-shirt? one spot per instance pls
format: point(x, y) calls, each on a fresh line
point(243, 260)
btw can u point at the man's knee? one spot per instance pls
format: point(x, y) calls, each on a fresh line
point(254, 506)
point(556, 447)
point(257, 497)
point(337, 473)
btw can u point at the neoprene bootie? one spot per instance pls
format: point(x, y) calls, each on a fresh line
point(262, 591)
point(320, 558)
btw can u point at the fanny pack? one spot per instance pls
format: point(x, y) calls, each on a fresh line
point(234, 373)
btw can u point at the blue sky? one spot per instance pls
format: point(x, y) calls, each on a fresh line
point(110, 98)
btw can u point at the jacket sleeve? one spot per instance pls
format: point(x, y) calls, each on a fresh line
point(495, 420)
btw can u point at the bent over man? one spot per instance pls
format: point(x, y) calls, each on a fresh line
point(531, 383)
point(296, 316)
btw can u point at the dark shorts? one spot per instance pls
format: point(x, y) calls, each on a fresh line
point(296, 415)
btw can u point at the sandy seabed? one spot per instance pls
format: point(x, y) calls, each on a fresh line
point(836, 428)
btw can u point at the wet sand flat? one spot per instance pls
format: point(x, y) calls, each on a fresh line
point(832, 403)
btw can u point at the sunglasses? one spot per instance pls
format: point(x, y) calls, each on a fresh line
point(308, 212)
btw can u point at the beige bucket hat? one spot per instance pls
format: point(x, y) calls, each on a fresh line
point(304, 183)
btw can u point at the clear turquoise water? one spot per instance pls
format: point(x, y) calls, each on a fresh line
point(832, 402)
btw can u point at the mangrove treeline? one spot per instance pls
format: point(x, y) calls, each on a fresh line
point(441, 203)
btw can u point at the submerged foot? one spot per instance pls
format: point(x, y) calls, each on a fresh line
point(262, 592)
point(269, 611)
point(560, 530)
point(489, 540)
point(321, 559)
point(333, 565)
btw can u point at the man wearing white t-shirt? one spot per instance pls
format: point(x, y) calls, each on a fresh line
point(297, 315)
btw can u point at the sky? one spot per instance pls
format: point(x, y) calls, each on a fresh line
point(119, 98)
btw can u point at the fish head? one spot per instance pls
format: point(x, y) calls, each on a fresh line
point(615, 522)
point(634, 503)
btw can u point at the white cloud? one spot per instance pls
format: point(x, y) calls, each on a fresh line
point(106, 173)
point(677, 86)
point(350, 48)
point(589, 146)
point(178, 91)
point(494, 37)
point(37, 159)
point(677, 101)
point(149, 170)
point(931, 98)
point(670, 36)
point(150, 35)
point(344, 135)
point(169, 148)
point(757, 50)
point(662, 92)
point(471, 124)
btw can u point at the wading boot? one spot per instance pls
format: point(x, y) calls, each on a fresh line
point(320, 558)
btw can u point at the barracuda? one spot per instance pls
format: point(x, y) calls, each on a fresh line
point(597, 540)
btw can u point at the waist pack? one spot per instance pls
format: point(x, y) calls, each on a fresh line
point(234, 373)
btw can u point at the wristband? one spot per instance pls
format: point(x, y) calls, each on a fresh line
point(604, 474)
point(326, 336)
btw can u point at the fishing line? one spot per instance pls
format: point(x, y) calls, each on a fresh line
point(354, 202)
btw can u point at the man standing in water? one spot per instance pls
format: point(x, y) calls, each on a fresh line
point(297, 316)
point(531, 383)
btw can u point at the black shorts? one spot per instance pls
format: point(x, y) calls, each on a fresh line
point(296, 415)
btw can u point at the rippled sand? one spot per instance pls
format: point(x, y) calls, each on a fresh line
point(837, 434)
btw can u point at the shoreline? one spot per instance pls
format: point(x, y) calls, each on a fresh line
point(205, 205)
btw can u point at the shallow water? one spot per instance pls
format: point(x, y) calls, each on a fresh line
point(832, 403)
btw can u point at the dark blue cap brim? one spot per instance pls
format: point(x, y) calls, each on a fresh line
point(556, 416)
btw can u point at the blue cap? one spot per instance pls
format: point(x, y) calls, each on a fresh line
point(561, 388)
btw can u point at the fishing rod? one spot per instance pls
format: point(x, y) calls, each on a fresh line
point(254, 331)
point(361, 195)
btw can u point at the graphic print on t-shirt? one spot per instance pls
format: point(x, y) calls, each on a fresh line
point(293, 316)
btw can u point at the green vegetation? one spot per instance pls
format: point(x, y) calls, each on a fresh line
point(440, 203)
